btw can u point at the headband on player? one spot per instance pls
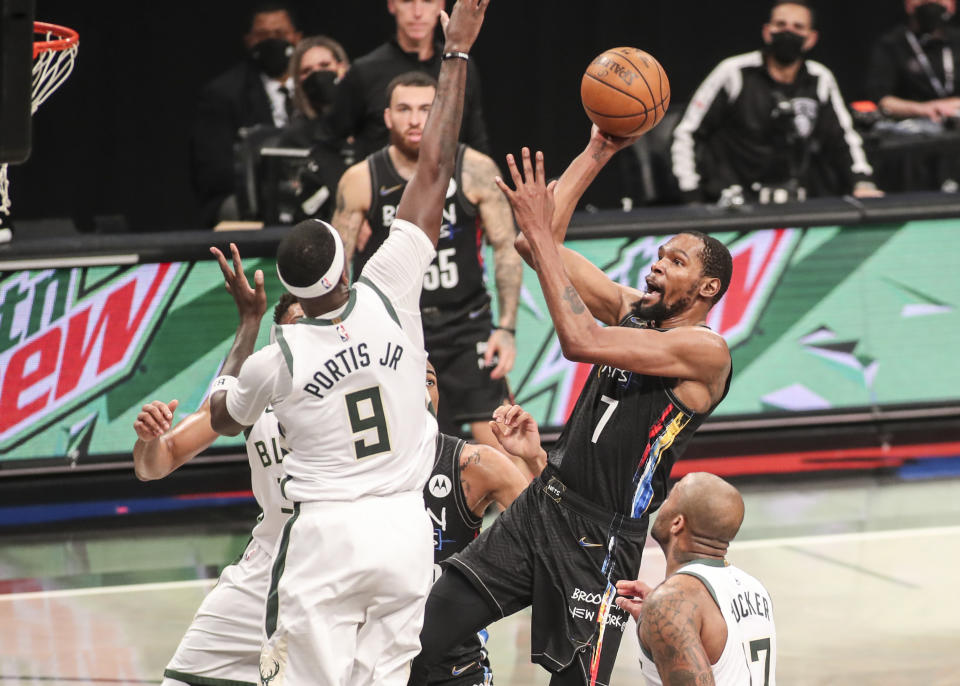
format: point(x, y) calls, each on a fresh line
point(329, 280)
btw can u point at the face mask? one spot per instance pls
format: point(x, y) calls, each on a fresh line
point(272, 56)
point(786, 47)
point(320, 88)
point(930, 17)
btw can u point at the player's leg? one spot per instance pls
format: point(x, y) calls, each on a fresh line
point(388, 639)
point(223, 641)
point(313, 612)
point(489, 579)
point(455, 611)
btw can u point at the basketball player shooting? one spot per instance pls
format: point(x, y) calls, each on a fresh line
point(345, 385)
point(659, 371)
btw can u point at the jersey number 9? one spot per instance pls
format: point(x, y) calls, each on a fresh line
point(368, 422)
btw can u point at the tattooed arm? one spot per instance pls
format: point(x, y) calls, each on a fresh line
point(487, 475)
point(353, 203)
point(670, 629)
point(478, 176)
point(685, 352)
point(607, 301)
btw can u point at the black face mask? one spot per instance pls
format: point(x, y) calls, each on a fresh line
point(930, 17)
point(272, 56)
point(320, 88)
point(786, 47)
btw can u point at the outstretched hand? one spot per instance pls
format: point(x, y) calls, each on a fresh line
point(630, 596)
point(154, 419)
point(532, 201)
point(251, 302)
point(461, 27)
point(516, 431)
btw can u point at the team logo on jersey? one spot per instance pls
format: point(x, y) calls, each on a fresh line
point(387, 190)
point(440, 486)
point(759, 260)
point(72, 334)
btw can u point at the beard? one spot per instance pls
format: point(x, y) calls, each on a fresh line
point(411, 151)
point(660, 311)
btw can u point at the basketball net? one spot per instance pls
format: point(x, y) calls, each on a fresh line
point(54, 53)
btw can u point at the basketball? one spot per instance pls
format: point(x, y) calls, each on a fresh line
point(625, 91)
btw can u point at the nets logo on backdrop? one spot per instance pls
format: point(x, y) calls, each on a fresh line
point(759, 260)
point(67, 335)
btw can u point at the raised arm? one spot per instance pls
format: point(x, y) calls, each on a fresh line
point(478, 176)
point(251, 304)
point(423, 198)
point(352, 205)
point(670, 629)
point(158, 451)
point(607, 300)
point(689, 353)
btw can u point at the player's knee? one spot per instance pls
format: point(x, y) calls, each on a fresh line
point(454, 611)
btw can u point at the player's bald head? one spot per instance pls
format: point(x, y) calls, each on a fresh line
point(711, 506)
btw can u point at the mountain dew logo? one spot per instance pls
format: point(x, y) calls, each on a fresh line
point(759, 260)
point(69, 334)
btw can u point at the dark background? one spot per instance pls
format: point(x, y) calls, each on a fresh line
point(110, 148)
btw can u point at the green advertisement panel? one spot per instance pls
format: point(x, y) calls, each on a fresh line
point(818, 319)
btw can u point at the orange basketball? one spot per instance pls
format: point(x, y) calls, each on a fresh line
point(625, 91)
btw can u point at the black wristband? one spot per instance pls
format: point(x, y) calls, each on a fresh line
point(456, 55)
point(512, 332)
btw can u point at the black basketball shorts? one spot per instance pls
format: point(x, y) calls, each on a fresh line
point(560, 554)
point(456, 349)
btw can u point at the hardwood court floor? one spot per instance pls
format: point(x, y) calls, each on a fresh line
point(862, 574)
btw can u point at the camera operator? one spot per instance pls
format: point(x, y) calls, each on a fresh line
point(771, 124)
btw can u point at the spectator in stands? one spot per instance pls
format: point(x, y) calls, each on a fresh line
point(914, 68)
point(318, 63)
point(358, 109)
point(770, 124)
point(256, 91)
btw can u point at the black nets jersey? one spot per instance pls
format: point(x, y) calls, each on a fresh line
point(454, 525)
point(455, 278)
point(625, 433)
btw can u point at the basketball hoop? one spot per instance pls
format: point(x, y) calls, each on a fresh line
point(54, 53)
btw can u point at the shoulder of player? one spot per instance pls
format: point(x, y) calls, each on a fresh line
point(356, 179)
point(678, 598)
point(705, 344)
point(265, 361)
point(353, 189)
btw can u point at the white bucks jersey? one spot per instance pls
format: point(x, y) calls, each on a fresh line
point(749, 656)
point(265, 454)
point(354, 419)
